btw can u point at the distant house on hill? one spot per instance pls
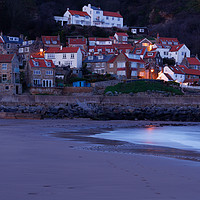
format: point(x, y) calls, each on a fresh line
point(78, 42)
point(139, 30)
point(91, 16)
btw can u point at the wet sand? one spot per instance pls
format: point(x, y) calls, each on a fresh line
point(36, 165)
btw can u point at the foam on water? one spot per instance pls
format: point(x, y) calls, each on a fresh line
point(182, 137)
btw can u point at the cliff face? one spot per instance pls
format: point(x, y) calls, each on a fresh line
point(171, 18)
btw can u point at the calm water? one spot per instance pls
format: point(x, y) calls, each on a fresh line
point(181, 137)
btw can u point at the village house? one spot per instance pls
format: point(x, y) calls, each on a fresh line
point(120, 38)
point(97, 63)
point(153, 64)
point(139, 30)
point(103, 18)
point(78, 42)
point(144, 43)
point(91, 16)
point(50, 41)
point(12, 44)
point(171, 48)
point(180, 74)
point(191, 63)
point(96, 41)
point(104, 49)
point(125, 67)
point(41, 73)
point(9, 74)
point(65, 56)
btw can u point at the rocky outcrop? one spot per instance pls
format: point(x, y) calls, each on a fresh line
point(103, 112)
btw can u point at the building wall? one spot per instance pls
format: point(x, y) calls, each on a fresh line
point(59, 60)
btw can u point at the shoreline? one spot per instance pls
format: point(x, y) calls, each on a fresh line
point(107, 145)
point(36, 165)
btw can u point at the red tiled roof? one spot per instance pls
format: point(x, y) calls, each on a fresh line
point(77, 41)
point(122, 34)
point(150, 55)
point(169, 77)
point(166, 39)
point(193, 61)
point(41, 63)
point(136, 60)
point(111, 14)
point(1, 40)
point(51, 39)
point(37, 55)
point(63, 50)
point(6, 58)
point(112, 59)
point(176, 47)
point(176, 69)
point(141, 49)
point(98, 39)
point(80, 13)
point(189, 71)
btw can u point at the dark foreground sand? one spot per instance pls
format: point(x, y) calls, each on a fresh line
point(36, 165)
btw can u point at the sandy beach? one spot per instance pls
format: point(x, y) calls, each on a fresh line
point(36, 163)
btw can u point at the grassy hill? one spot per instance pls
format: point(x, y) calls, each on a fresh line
point(145, 86)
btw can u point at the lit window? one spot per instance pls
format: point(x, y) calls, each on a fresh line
point(4, 66)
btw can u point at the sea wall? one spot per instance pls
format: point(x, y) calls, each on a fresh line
point(124, 100)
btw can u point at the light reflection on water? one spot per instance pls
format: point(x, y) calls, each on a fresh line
point(182, 137)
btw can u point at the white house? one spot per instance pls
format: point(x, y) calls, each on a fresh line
point(93, 41)
point(178, 52)
point(174, 72)
point(121, 38)
point(65, 56)
point(103, 18)
point(74, 17)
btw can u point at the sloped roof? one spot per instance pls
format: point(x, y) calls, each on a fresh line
point(37, 55)
point(176, 47)
point(112, 59)
point(77, 41)
point(98, 39)
point(150, 55)
point(142, 40)
point(1, 40)
point(80, 13)
point(168, 76)
point(166, 39)
point(176, 69)
point(186, 70)
point(193, 61)
point(96, 59)
point(6, 58)
point(121, 34)
point(62, 50)
point(7, 39)
point(142, 51)
point(111, 14)
point(41, 63)
point(51, 39)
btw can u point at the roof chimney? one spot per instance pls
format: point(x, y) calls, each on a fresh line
point(67, 9)
point(158, 36)
point(61, 47)
point(89, 5)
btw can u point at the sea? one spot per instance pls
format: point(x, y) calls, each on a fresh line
point(179, 137)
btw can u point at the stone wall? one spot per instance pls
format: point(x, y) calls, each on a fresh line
point(124, 100)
